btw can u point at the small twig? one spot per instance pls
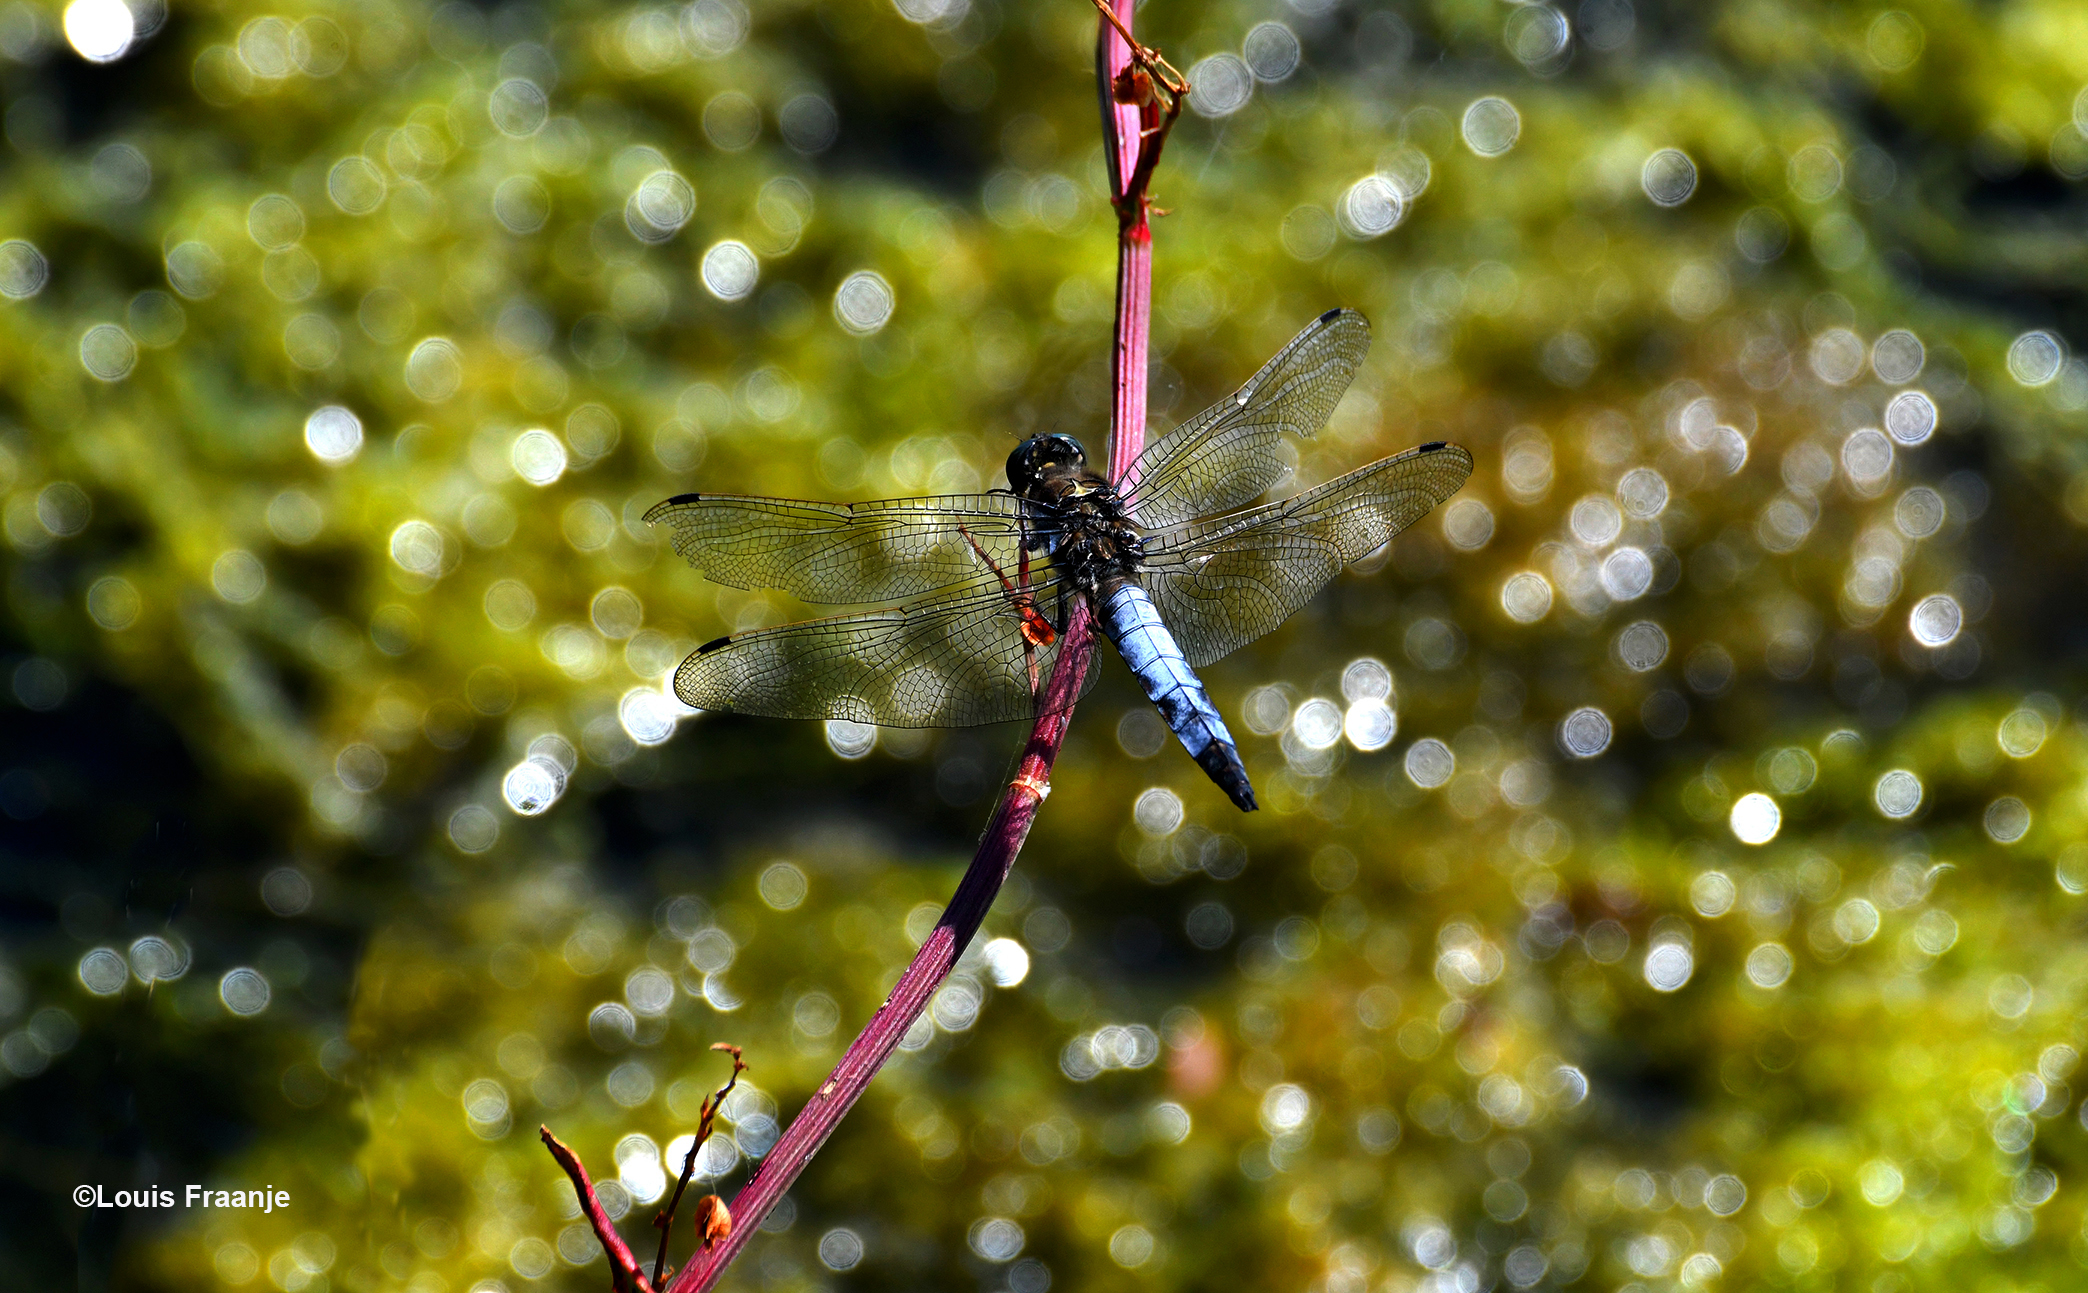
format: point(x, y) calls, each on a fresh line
point(627, 1274)
point(711, 1104)
point(1137, 198)
point(1139, 84)
point(1162, 71)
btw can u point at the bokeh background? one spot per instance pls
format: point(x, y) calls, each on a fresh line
point(1673, 851)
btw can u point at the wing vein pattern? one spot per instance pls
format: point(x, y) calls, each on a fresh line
point(955, 659)
point(842, 552)
point(1225, 457)
point(1222, 584)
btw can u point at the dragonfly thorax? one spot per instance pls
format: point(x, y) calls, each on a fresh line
point(1076, 515)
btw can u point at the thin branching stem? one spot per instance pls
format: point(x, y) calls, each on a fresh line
point(1135, 126)
point(709, 1114)
point(1148, 58)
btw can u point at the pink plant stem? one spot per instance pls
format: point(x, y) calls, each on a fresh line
point(1003, 839)
point(1125, 125)
point(1134, 300)
point(1011, 820)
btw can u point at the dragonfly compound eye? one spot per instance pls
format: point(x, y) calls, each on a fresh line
point(1038, 452)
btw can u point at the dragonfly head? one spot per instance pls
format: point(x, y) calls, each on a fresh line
point(1033, 455)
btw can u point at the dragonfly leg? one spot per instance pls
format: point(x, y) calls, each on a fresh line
point(1029, 646)
point(1035, 629)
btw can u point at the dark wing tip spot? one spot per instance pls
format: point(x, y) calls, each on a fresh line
point(1332, 314)
point(713, 645)
point(1434, 445)
point(658, 510)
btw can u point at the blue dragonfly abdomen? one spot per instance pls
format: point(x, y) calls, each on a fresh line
point(1134, 625)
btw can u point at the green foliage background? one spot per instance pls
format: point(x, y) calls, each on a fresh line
point(263, 706)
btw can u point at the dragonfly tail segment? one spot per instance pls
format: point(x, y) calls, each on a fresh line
point(1134, 625)
point(1221, 761)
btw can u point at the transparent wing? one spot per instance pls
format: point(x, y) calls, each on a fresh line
point(1225, 456)
point(956, 659)
point(842, 552)
point(1225, 583)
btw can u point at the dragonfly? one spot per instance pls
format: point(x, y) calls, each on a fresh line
point(1179, 563)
